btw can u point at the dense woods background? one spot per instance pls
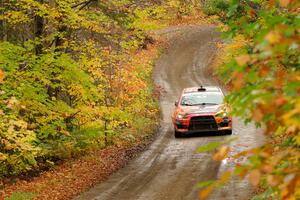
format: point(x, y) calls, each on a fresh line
point(68, 82)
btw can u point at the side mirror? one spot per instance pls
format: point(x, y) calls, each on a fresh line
point(176, 103)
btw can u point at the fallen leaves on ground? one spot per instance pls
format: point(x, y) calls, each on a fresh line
point(73, 177)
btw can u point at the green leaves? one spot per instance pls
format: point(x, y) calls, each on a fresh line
point(205, 183)
point(262, 71)
point(214, 145)
point(209, 147)
point(76, 76)
point(20, 196)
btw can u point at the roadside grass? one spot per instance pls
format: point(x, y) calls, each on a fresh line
point(20, 196)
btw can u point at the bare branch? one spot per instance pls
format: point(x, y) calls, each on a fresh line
point(82, 4)
point(78, 4)
point(86, 4)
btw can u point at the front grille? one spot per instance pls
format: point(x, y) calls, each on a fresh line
point(180, 126)
point(203, 123)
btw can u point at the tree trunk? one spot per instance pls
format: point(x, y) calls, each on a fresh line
point(38, 31)
point(60, 41)
point(3, 28)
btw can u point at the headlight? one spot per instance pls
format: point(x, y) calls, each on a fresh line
point(222, 114)
point(179, 116)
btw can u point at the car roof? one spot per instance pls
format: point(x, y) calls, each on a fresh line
point(202, 89)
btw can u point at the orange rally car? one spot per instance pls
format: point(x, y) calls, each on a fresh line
point(201, 109)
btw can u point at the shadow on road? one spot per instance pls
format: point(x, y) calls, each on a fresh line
point(204, 134)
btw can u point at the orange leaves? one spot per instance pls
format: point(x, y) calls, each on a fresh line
point(280, 78)
point(257, 115)
point(242, 59)
point(264, 70)
point(254, 177)
point(280, 101)
point(242, 173)
point(222, 153)
point(284, 3)
point(252, 13)
point(262, 109)
point(267, 168)
point(265, 87)
point(225, 177)
point(1, 76)
point(205, 192)
point(292, 183)
point(237, 80)
point(273, 180)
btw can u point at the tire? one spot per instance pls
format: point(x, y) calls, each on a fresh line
point(178, 134)
point(228, 132)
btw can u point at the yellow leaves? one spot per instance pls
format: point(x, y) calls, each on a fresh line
point(222, 153)
point(65, 132)
point(273, 37)
point(12, 102)
point(243, 59)
point(291, 118)
point(238, 42)
point(2, 76)
point(254, 177)
point(3, 156)
point(16, 17)
point(297, 139)
point(271, 74)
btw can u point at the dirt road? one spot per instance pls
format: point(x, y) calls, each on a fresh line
point(170, 168)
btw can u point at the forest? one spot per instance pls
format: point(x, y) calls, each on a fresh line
point(71, 83)
point(68, 82)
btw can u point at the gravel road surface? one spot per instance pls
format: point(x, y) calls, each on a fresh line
point(170, 169)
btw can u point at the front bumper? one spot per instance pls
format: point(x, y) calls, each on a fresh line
point(219, 124)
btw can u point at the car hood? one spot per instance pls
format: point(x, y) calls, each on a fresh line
point(200, 109)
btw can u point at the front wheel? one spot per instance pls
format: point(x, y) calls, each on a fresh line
point(178, 134)
point(228, 132)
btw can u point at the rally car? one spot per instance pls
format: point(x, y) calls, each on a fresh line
point(201, 109)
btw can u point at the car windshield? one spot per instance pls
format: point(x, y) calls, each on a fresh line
point(202, 98)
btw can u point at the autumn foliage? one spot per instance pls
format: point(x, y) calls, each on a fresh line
point(262, 68)
point(73, 78)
